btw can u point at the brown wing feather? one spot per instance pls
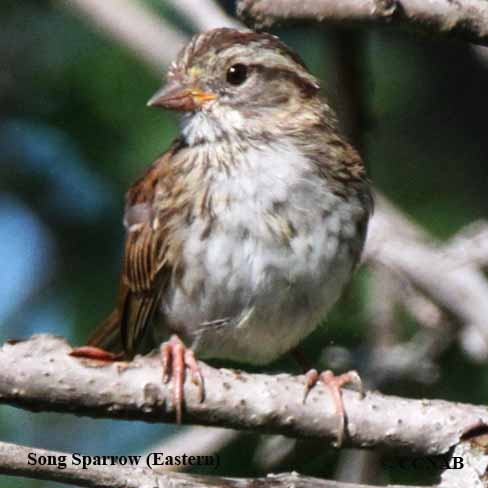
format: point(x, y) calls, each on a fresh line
point(147, 267)
point(145, 281)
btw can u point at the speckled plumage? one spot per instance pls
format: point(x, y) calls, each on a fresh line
point(242, 236)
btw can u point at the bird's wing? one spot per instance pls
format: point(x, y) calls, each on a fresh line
point(149, 258)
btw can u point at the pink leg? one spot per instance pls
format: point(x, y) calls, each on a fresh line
point(91, 352)
point(334, 383)
point(176, 358)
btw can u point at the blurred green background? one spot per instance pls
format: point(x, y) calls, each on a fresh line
point(75, 132)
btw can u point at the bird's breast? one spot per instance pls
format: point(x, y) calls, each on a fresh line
point(265, 263)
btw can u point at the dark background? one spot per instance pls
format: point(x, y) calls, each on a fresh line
point(75, 132)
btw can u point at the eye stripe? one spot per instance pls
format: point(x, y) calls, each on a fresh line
point(305, 82)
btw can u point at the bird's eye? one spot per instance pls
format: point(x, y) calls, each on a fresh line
point(237, 74)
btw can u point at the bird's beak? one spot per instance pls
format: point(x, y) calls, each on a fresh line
point(174, 96)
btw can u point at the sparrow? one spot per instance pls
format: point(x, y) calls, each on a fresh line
point(242, 236)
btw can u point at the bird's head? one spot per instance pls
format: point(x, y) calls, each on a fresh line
point(228, 77)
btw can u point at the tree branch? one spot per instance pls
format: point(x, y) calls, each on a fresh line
point(39, 375)
point(13, 461)
point(463, 19)
point(456, 286)
point(193, 441)
point(470, 245)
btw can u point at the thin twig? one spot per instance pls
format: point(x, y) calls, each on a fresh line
point(133, 25)
point(204, 14)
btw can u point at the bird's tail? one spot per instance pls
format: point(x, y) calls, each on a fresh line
point(107, 335)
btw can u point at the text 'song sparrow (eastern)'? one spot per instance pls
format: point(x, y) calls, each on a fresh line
point(241, 237)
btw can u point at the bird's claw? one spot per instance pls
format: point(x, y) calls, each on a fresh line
point(175, 358)
point(334, 383)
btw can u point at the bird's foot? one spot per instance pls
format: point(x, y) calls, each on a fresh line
point(91, 352)
point(334, 383)
point(176, 357)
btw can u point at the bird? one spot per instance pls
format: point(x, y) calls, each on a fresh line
point(244, 233)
